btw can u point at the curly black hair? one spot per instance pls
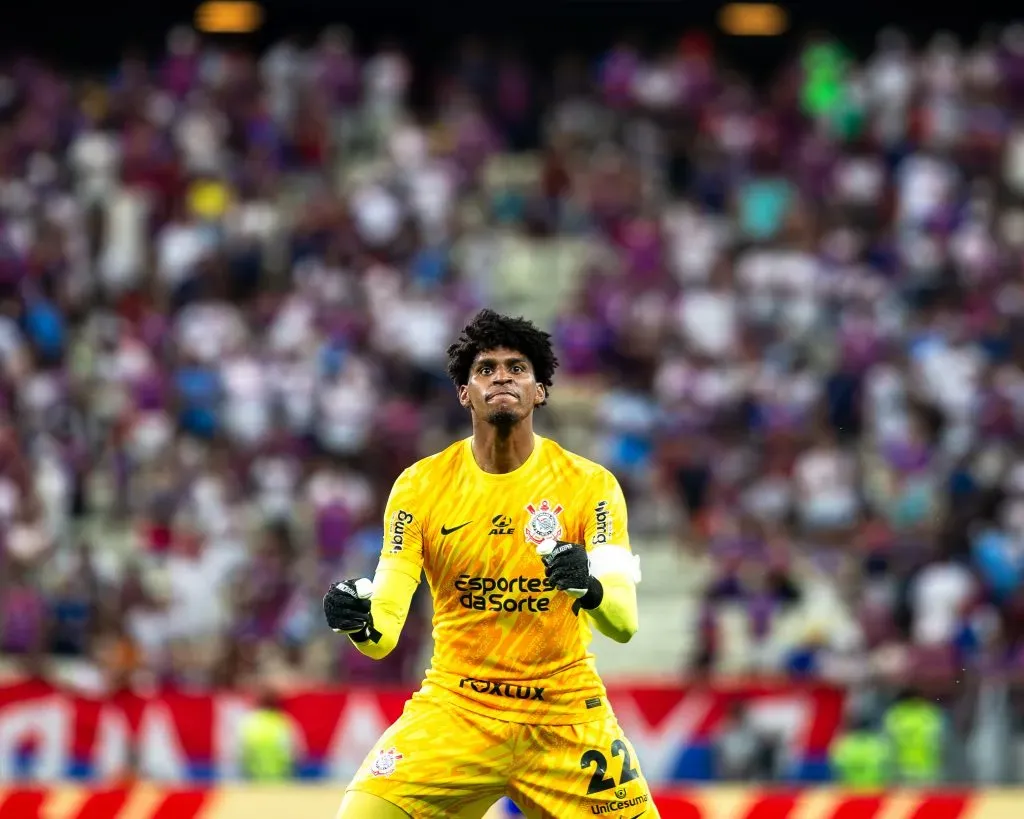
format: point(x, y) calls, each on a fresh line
point(489, 330)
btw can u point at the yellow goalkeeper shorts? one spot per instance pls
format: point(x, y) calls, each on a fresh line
point(439, 761)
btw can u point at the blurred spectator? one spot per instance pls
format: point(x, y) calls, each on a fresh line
point(267, 742)
point(742, 752)
point(915, 729)
point(860, 756)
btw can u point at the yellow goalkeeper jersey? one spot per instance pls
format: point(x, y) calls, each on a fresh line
point(506, 644)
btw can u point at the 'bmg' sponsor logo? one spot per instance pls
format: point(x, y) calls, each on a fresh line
point(396, 532)
point(604, 526)
point(507, 594)
point(500, 689)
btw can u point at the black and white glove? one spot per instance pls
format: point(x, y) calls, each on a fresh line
point(567, 566)
point(347, 609)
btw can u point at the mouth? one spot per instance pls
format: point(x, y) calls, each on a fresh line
point(505, 393)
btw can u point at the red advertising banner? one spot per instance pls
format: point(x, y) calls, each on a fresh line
point(47, 734)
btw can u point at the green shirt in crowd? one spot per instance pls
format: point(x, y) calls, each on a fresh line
point(860, 759)
point(267, 749)
point(915, 729)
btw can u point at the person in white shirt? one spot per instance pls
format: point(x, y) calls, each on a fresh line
point(283, 68)
point(346, 402)
point(208, 330)
point(200, 134)
point(386, 79)
point(123, 255)
point(181, 245)
point(938, 595)
point(378, 214)
point(709, 317)
point(247, 412)
point(826, 484)
point(197, 573)
point(924, 184)
point(891, 80)
point(94, 157)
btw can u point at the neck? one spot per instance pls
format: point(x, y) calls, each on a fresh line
point(498, 451)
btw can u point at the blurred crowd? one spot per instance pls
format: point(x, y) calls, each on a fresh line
point(788, 312)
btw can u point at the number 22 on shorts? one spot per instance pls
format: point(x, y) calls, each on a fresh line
point(600, 781)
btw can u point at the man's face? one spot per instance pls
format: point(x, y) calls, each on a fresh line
point(502, 388)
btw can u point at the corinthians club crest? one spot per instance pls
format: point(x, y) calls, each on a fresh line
point(543, 524)
point(386, 762)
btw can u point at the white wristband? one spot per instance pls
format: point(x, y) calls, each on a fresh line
point(608, 559)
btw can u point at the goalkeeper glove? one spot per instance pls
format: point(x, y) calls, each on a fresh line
point(347, 609)
point(567, 566)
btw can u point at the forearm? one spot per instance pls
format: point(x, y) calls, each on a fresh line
point(615, 615)
point(392, 596)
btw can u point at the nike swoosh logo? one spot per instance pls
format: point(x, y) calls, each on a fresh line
point(454, 528)
point(639, 814)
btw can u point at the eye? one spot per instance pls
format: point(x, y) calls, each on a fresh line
point(484, 370)
point(518, 368)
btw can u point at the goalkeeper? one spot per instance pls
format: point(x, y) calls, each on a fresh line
point(525, 548)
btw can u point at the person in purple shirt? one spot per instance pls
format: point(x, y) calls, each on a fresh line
point(180, 71)
point(616, 74)
point(583, 340)
point(23, 611)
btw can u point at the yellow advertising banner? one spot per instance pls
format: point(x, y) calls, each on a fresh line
point(142, 801)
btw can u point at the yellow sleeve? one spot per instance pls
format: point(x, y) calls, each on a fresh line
point(398, 570)
point(612, 561)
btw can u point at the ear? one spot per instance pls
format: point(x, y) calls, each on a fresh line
point(463, 392)
point(542, 395)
